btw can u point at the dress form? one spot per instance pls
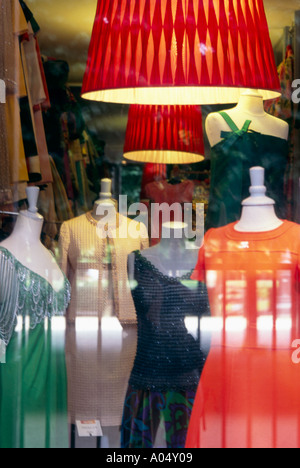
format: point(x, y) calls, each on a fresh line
point(258, 213)
point(250, 107)
point(25, 244)
point(104, 208)
point(171, 256)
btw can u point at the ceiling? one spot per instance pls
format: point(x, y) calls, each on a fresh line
point(66, 27)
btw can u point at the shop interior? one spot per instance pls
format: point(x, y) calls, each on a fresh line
point(80, 167)
point(65, 34)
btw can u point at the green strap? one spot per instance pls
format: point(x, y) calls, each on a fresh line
point(232, 125)
point(246, 126)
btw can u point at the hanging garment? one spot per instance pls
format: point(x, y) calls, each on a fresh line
point(37, 95)
point(33, 388)
point(101, 332)
point(231, 161)
point(35, 28)
point(46, 207)
point(62, 205)
point(18, 168)
point(248, 395)
point(29, 142)
point(169, 359)
point(94, 159)
point(284, 109)
point(152, 173)
point(164, 192)
point(34, 81)
point(30, 17)
point(8, 86)
point(80, 180)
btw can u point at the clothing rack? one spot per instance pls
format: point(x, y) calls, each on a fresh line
point(10, 213)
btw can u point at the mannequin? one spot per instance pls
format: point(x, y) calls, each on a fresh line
point(170, 356)
point(33, 293)
point(251, 267)
point(240, 138)
point(258, 213)
point(25, 244)
point(101, 308)
point(251, 107)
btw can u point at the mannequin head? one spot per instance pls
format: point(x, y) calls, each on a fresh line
point(252, 93)
point(258, 213)
point(32, 197)
point(105, 207)
point(29, 224)
point(251, 101)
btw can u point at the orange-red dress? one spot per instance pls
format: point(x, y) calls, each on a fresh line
point(249, 392)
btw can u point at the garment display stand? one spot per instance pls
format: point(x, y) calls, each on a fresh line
point(10, 213)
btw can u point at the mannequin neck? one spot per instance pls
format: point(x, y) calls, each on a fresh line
point(252, 103)
point(173, 240)
point(258, 219)
point(171, 256)
point(28, 228)
point(104, 210)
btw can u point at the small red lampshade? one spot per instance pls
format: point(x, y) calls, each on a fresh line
point(164, 134)
point(179, 52)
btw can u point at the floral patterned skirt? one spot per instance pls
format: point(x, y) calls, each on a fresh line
point(156, 419)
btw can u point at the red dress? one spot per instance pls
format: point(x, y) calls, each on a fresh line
point(165, 193)
point(249, 392)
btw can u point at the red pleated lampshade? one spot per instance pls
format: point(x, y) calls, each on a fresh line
point(164, 134)
point(179, 52)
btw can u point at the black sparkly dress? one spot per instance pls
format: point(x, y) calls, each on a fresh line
point(169, 359)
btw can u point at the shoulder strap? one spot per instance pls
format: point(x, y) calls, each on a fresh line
point(232, 125)
point(229, 121)
point(246, 125)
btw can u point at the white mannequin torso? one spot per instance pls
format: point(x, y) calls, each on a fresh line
point(250, 107)
point(258, 219)
point(258, 213)
point(25, 245)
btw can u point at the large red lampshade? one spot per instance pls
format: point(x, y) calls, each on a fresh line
point(179, 52)
point(164, 134)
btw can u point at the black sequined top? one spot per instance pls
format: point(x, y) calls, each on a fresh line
point(168, 356)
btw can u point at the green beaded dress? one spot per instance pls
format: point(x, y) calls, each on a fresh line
point(33, 381)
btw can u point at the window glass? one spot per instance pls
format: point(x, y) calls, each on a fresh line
point(149, 251)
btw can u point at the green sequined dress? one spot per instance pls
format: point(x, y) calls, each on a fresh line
point(33, 382)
